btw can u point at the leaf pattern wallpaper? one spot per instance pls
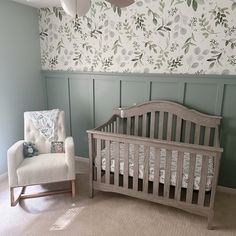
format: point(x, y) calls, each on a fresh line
point(149, 36)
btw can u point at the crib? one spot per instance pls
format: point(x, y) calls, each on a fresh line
point(158, 151)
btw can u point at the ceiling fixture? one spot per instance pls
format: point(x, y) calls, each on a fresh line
point(76, 8)
point(121, 3)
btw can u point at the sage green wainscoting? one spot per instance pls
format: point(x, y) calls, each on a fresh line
point(88, 99)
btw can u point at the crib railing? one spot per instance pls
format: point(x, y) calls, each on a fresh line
point(169, 121)
point(106, 180)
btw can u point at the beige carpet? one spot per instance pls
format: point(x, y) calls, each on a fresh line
point(107, 214)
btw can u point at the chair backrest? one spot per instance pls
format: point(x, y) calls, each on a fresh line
point(33, 135)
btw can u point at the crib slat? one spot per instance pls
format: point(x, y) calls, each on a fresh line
point(128, 125)
point(197, 134)
point(204, 170)
point(179, 176)
point(126, 166)
point(111, 127)
point(169, 126)
point(136, 167)
point(118, 124)
point(191, 173)
point(146, 169)
point(152, 125)
point(216, 138)
point(121, 126)
point(108, 164)
point(99, 167)
point(207, 136)
point(144, 125)
point(102, 144)
point(114, 127)
point(160, 127)
point(215, 178)
point(167, 173)
point(178, 129)
point(187, 131)
point(136, 126)
point(156, 171)
point(117, 163)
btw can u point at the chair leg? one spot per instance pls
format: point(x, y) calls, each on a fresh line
point(14, 201)
point(12, 197)
point(73, 188)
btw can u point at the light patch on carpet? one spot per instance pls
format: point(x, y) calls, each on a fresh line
point(63, 221)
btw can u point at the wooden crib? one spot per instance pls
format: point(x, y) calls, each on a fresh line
point(158, 133)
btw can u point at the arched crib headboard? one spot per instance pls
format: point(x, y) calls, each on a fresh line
point(169, 121)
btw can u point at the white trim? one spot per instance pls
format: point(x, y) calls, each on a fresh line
point(82, 159)
point(82, 165)
point(226, 189)
point(3, 177)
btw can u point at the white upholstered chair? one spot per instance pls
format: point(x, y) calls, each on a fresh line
point(46, 167)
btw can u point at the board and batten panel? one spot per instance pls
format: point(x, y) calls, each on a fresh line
point(58, 97)
point(201, 96)
point(228, 137)
point(134, 92)
point(106, 98)
point(81, 96)
point(204, 93)
point(164, 91)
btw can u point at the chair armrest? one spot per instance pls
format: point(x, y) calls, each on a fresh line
point(70, 157)
point(14, 158)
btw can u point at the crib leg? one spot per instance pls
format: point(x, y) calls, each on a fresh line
point(91, 191)
point(210, 220)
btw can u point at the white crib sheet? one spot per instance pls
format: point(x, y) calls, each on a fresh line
point(198, 165)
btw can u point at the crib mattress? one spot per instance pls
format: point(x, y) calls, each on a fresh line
point(197, 174)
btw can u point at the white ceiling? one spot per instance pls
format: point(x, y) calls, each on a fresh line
point(40, 3)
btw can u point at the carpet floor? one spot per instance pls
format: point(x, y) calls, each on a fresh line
point(107, 214)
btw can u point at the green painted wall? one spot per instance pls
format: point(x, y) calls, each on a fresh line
point(20, 80)
point(93, 95)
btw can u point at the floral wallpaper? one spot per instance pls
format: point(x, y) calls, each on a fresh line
point(150, 36)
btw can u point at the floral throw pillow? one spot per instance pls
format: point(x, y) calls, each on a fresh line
point(29, 149)
point(57, 147)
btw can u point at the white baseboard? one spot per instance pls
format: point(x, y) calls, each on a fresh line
point(82, 165)
point(82, 159)
point(226, 189)
point(3, 177)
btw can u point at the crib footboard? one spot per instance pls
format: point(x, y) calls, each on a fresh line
point(104, 178)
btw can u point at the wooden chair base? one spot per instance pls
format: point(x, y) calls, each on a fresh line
point(22, 194)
